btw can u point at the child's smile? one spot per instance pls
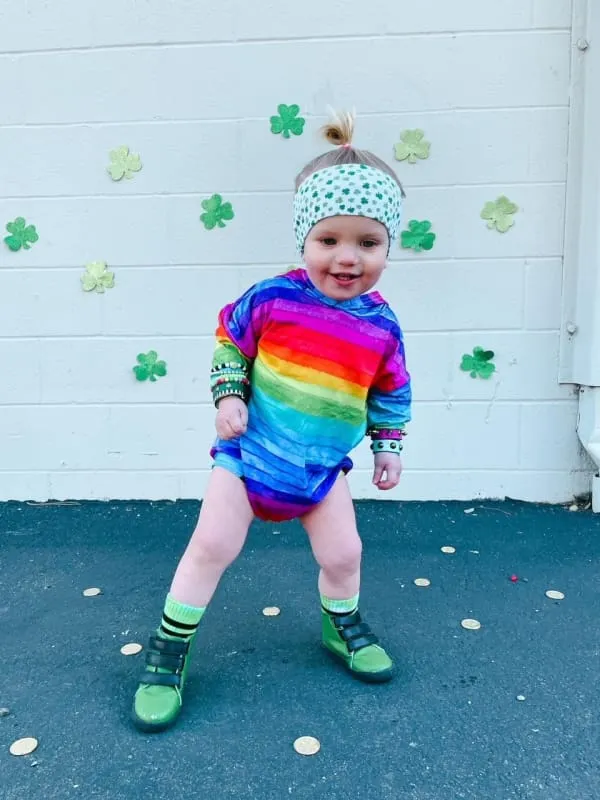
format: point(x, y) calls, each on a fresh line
point(345, 255)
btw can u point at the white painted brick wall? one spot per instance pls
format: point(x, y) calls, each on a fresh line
point(190, 87)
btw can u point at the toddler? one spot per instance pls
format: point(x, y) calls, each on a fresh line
point(305, 365)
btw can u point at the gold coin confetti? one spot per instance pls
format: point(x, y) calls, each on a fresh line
point(23, 747)
point(307, 745)
point(422, 582)
point(131, 649)
point(448, 549)
point(471, 624)
point(93, 592)
point(271, 611)
point(553, 594)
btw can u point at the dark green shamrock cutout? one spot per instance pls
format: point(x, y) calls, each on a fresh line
point(148, 367)
point(480, 363)
point(288, 121)
point(21, 235)
point(418, 236)
point(215, 211)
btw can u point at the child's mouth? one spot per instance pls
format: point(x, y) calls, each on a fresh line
point(344, 279)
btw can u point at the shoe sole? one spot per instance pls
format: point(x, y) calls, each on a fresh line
point(383, 676)
point(151, 727)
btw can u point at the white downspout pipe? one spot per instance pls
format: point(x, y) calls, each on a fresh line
point(588, 428)
point(580, 332)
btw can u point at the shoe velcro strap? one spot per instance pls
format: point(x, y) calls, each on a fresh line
point(164, 660)
point(343, 620)
point(169, 646)
point(361, 641)
point(352, 631)
point(161, 678)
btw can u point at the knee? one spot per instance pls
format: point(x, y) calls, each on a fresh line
point(344, 559)
point(214, 547)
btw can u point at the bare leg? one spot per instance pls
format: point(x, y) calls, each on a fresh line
point(331, 528)
point(219, 536)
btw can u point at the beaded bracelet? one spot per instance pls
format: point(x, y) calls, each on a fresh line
point(237, 375)
point(243, 394)
point(386, 446)
point(228, 365)
point(218, 381)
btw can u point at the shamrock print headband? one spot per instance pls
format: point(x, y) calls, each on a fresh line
point(350, 190)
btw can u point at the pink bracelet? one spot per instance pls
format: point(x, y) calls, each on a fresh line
point(388, 434)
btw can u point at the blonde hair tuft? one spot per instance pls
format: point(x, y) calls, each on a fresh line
point(340, 128)
point(339, 131)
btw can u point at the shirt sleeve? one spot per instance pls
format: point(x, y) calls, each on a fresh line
point(390, 395)
point(237, 335)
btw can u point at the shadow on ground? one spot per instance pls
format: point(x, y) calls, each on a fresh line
point(449, 727)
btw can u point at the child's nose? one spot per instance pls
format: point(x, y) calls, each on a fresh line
point(347, 255)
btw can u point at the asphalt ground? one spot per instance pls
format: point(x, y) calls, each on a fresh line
point(449, 726)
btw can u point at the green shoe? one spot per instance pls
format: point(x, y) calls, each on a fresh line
point(158, 699)
point(350, 640)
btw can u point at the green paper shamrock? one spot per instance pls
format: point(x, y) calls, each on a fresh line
point(412, 146)
point(123, 163)
point(500, 214)
point(215, 212)
point(287, 121)
point(21, 235)
point(97, 278)
point(148, 367)
point(418, 236)
point(480, 363)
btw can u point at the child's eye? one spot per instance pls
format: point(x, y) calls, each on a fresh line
point(369, 243)
point(328, 240)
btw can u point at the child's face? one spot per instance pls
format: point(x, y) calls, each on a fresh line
point(346, 255)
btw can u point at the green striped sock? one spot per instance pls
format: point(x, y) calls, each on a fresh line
point(339, 606)
point(179, 621)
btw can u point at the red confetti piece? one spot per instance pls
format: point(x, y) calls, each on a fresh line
point(514, 578)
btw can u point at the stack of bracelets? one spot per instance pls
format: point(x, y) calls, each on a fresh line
point(229, 379)
point(386, 440)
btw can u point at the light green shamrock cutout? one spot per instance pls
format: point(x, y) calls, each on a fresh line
point(148, 367)
point(21, 235)
point(500, 213)
point(123, 163)
point(411, 146)
point(480, 363)
point(97, 278)
point(288, 121)
point(215, 211)
point(418, 236)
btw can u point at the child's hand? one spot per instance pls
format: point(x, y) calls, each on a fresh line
point(232, 417)
point(391, 465)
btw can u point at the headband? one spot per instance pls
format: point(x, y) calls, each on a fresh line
point(348, 190)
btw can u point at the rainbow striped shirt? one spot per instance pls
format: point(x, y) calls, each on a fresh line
point(322, 373)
